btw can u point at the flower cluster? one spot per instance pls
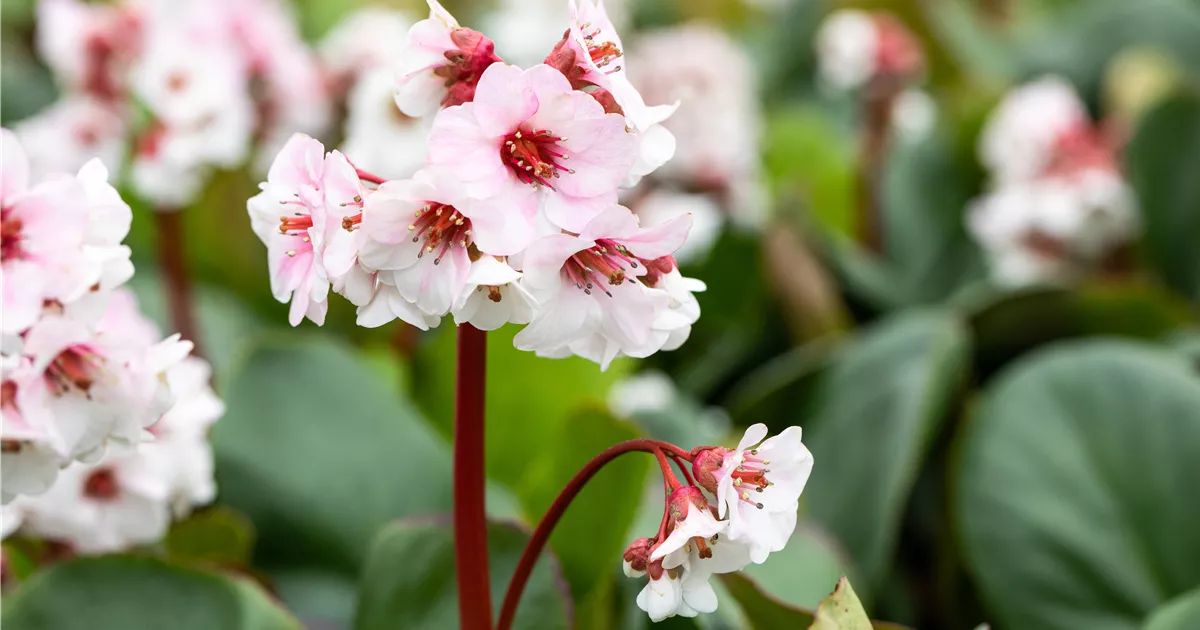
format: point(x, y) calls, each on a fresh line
point(1059, 206)
point(130, 497)
point(858, 49)
point(83, 377)
point(741, 508)
point(717, 173)
point(514, 216)
point(184, 87)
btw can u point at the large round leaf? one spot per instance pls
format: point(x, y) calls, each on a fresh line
point(409, 580)
point(122, 593)
point(879, 408)
point(320, 454)
point(1077, 485)
point(1164, 159)
point(1181, 613)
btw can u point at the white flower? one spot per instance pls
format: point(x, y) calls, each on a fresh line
point(718, 122)
point(847, 49)
point(368, 38)
point(758, 487)
point(10, 519)
point(914, 114)
point(1019, 139)
point(649, 391)
point(662, 597)
point(69, 133)
point(379, 137)
point(105, 507)
point(180, 448)
point(493, 296)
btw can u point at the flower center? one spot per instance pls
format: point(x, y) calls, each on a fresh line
point(73, 367)
point(10, 236)
point(751, 473)
point(442, 228)
point(602, 53)
point(606, 260)
point(101, 485)
point(534, 157)
point(8, 394)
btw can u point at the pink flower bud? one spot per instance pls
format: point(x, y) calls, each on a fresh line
point(706, 461)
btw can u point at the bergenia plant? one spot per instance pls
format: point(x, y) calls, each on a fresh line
point(514, 219)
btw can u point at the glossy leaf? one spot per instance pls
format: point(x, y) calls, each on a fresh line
point(409, 583)
point(880, 405)
point(1076, 484)
point(123, 592)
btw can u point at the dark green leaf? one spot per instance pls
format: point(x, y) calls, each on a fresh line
point(763, 611)
point(409, 579)
point(124, 592)
point(1076, 486)
point(1164, 159)
point(879, 407)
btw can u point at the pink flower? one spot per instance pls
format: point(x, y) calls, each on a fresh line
point(289, 217)
point(592, 295)
point(33, 449)
point(344, 198)
point(41, 247)
point(529, 139)
point(69, 133)
point(441, 64)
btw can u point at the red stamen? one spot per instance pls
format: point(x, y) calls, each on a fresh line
point(296, 223)
point(442, 227)
point(534, 157)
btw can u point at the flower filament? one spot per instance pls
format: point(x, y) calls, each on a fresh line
point(442, 227)
point(534, 157)
point(606, 260)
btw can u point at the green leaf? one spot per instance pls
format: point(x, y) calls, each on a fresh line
point(925, 193)
point(585, 550)
point(1163, 159)
point(529, 399)
point(1075, 494)
point(763, 611)
point(320, 454)
point(216, 535)
point(320, 599)
point(409, 579)
point(1181, 613)
point(841, 610)
point(879, 408)
point(800, 574)
point(124, 592)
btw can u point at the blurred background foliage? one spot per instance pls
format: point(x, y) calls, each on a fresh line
point(1025, 458)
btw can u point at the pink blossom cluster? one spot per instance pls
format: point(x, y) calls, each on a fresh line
point(741, 508)
point(514, 216)
point(860, 49)
point(182, 86)
point(1059, 206)
point(130, 497)
point(83, 379)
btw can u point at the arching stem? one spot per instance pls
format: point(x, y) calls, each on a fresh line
point(541, 535)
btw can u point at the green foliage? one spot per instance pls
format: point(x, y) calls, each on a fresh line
point(1164, 158)
point(880, 406)
point(216, 535)
point(320, 454)
point(1178, 614)
point(1075, 485)
point(408, 581)
point(123, 592)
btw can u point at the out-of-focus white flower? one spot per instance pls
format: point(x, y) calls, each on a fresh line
point(643, 392)
point(368, 38)
point(526, 30)
point(64, 136)
point(88, 45)
point(857, 47)
point(379, 137)
point(914, 114)
point(717, 125)
point(663, 204)
point(1021, 135)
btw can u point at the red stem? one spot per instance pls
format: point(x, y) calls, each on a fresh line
point(541, 535)
point(687, 474)
point(470, 517)
point(368, 177)
point(172, 259)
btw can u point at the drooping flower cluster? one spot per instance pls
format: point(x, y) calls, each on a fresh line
point(129, 498)
point(514, 217)
point(741, 509)
point(716, 175)
point(1059, 206)
point(183, 87)
point(82, 379)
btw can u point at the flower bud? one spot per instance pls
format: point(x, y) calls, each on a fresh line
point(706, 461)
point(637, 557)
